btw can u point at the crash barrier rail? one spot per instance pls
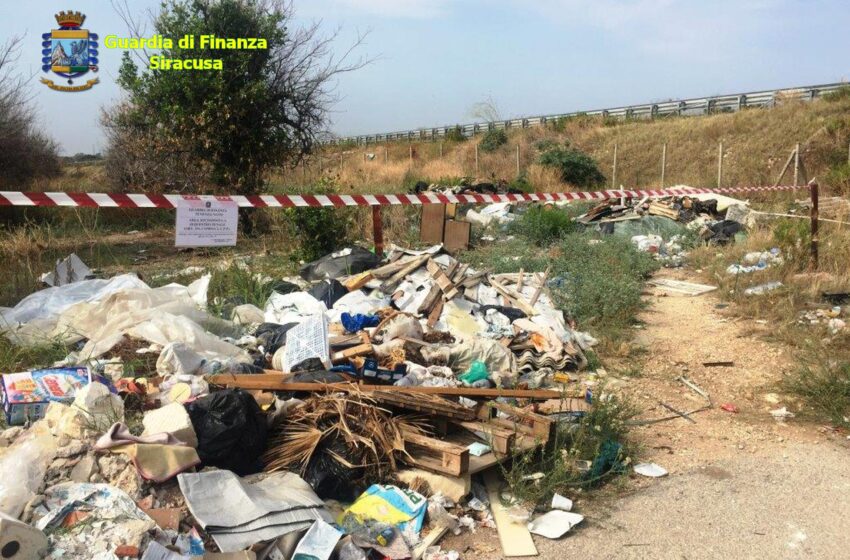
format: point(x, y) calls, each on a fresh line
point(682, 107)
point(376, 201)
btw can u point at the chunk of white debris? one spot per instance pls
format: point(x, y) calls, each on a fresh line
point(651, 470)
point(555, 524)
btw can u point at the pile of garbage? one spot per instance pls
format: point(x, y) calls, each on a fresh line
point(661, 225)
point(353, 414)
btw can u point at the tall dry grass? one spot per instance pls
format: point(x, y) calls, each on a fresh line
point(756, 144)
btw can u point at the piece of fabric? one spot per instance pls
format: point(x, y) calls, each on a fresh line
point(157, 462)
point(119, 434)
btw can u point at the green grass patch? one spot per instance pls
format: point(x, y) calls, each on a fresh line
point(15, 358)
point(824, 388)
point(237, 285)
point(493, 140)
point(600, 436)
point(543, 226)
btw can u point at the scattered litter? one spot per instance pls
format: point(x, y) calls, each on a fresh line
point(762, 288)
point(680, 287)
point(68, 270)
point(561, 502)
point(555, 524)
point(651, 470)
point(729, 407)
point(781, 414)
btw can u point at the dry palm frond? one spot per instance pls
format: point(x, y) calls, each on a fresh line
point(349, 429)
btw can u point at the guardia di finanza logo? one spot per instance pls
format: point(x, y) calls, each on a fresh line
point(69, 52)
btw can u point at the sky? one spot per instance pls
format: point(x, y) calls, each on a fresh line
point(431, 61)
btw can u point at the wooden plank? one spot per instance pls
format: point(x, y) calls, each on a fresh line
point(527, 421)
point(513, 298)
point(390, 283)
point(459, 273)
point(540, 287)
point(514, 536)
point(393, 267)
point(435, 313)
point(277, 381)
point(432, 223)
point(354, 351)
point(499, 438)
point(456, 237)
point(439, 276)
point(358, 281)
point(430, 540)
point(430, 300)
point(435, 455)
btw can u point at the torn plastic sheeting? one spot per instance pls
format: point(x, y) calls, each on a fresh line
point(294, 307)
point(46, 305)
point(168, 328)
point(462, 353)
point(318, 543)
point(305, 341)
point(328, 291)
point(238, 513)
point(68, 270)
point(177, 358)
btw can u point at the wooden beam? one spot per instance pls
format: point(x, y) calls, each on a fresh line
point(277, 381)
point(443, 281)
point(499, 438)
point(512, 297)
point(390, 283)
point(434, 454)
point(514, 537)
point(358, 281)
point(540, 287)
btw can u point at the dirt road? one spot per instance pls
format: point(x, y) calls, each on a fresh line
point(740, 485)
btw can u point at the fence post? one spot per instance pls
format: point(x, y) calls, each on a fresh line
point(614, 171)
point(719, 164)
point(410, 154)
point(386, 155)
point(377, 230)
point(813, 191)
point(797, 164)
point(476, 158)
point(848, 154)
point(441, 149)
point(663, 162)
point(517, 160)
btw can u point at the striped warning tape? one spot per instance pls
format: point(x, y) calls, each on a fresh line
point(122, 200)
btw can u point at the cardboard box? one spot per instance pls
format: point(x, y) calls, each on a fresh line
point(26, 395)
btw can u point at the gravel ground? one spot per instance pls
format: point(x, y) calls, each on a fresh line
point(740, 485)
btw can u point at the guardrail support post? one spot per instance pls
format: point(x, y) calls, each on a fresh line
point(377, 230)
point(663, 163)
point(517, 160)
point(719, 164)
point(797, 164)
point(614, 170)
point(813, 191)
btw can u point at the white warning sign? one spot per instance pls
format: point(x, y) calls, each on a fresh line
point(206, 223)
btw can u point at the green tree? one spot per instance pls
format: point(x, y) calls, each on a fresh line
point(223, 128)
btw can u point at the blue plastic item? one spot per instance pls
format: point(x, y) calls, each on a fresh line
point(358, 321)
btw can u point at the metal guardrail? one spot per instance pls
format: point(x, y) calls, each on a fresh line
point(683, 107)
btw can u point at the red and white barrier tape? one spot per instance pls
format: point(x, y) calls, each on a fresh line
point(120, 200)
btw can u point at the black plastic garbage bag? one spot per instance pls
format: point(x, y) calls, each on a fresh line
point(724, 231)
point(272, 336)
point(231, 431)
point(341, 263)
point(511, 313)
point(283, 287)
point(328, 291)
